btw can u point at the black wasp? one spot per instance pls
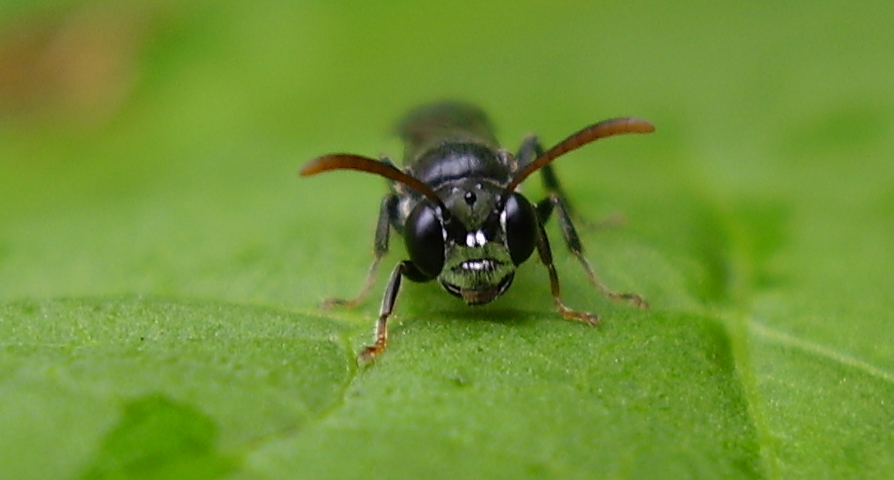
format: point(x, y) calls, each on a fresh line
point(456, 206)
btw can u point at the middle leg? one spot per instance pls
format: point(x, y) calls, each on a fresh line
point(387, 211)
point(557, 201)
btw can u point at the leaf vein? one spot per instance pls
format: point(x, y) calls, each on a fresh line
point(783, 338)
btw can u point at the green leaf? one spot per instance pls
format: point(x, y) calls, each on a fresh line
point(162, 265)
point(157, 438)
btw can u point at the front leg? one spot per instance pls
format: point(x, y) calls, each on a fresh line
point(546, 256)
point(403, 269)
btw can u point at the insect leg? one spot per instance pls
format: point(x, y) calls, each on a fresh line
point(387, 210)
point(404, 268)
point(572, 240)
point(546, 256)
point(529, 150)
point(558, 201)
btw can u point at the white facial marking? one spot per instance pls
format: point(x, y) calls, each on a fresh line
point(475, 239)
point(479, 235)
point(478, 265)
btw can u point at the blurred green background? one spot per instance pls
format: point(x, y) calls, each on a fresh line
point(161, 263)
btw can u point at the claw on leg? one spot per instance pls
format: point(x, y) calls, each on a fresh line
point(369, 353)
point(569, 314)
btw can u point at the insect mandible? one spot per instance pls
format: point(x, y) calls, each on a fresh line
point(456, 205)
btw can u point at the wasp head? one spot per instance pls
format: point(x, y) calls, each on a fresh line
point(473, 243)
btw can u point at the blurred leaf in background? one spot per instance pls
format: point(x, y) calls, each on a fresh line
point(80, 65)
point(161, 264)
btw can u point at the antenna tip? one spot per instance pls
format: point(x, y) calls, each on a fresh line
point(639, 125)
point(317, 165)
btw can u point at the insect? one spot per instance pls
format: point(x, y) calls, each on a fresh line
point(456, 205)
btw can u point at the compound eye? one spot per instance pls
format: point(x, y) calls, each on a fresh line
point(521, 227)
point(424, 238)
